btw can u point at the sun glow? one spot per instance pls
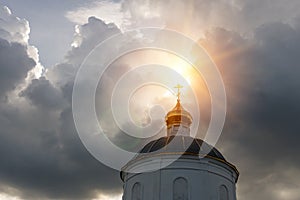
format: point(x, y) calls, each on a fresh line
point(146, 81)
point(191, 78)
point(182, 67)
point(108, 197)
point(185, 72)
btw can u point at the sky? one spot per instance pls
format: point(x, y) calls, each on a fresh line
point(255, 45)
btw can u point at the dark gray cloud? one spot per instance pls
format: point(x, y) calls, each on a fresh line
point(261, 75)
point(43, 94)
point(14, 65)
point(50, 161)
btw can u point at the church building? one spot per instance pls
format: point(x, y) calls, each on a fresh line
point(194, 175)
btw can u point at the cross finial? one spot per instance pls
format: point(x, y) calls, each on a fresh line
point(178, 86)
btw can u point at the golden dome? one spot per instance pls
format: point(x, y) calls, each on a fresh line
point(178, 115)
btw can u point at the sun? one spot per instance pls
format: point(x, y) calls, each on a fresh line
point(182, 67)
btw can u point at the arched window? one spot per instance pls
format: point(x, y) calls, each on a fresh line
point(180, 189)
point(223, 193)
point(136, 192)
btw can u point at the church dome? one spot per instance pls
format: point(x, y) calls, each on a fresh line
point(178, 140)
point(185, 145)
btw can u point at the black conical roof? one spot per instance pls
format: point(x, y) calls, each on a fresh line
point(181, 144)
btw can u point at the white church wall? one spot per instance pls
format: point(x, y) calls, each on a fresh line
point(204, 178)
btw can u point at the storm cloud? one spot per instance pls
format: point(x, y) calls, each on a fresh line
point(14, 65)
point(261, 75)
point(257, 52)
point(42, 155)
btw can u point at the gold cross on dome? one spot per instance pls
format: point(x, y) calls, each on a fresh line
point(178, 86)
